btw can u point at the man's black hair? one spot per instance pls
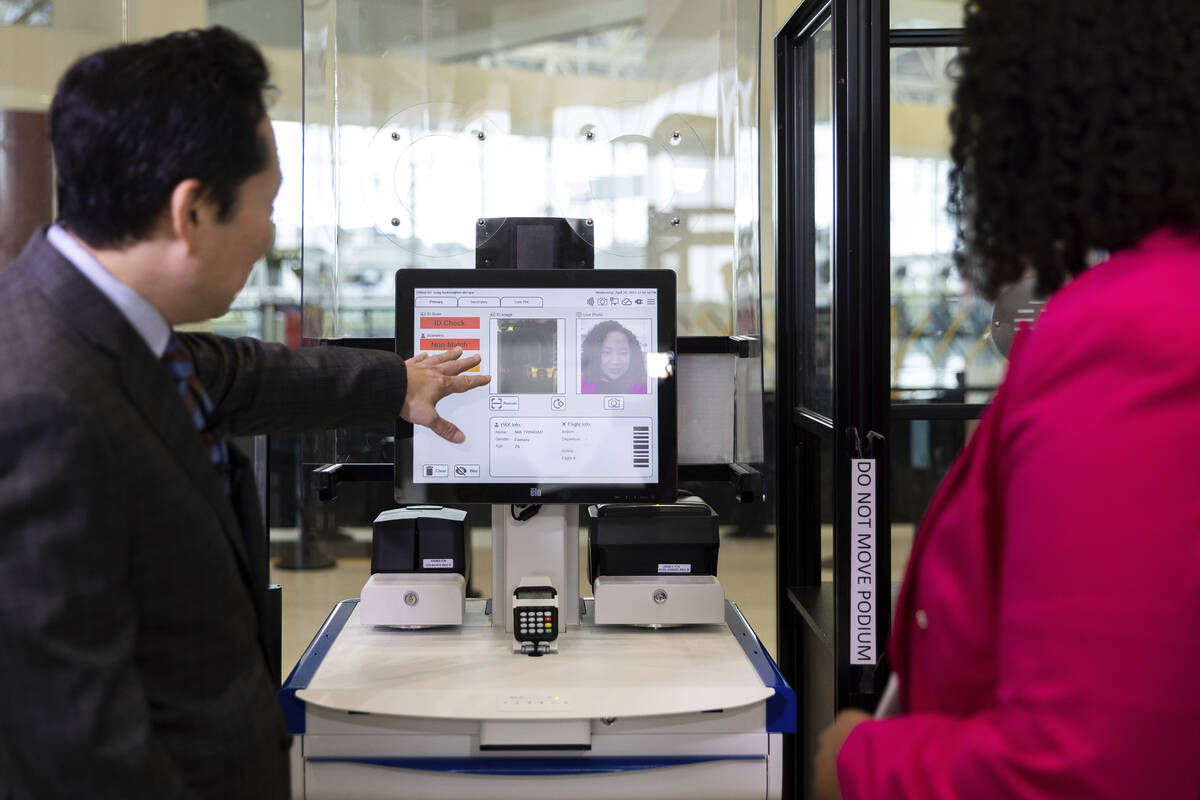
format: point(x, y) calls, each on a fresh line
point(129, 123)
point(1075, 130)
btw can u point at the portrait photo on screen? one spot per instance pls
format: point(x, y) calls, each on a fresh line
point(612, 356)
point(527, 356)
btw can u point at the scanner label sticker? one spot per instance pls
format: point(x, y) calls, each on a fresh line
point(863, 595)
point(674, 569)
point(437, 563)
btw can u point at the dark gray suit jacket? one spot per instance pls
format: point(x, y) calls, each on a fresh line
point(132, 646)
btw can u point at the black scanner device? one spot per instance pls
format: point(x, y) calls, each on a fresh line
point(652, 539)
point(420, 539)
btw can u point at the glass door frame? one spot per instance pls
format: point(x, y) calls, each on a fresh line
point(815, 617)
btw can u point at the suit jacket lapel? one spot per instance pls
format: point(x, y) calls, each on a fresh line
point(145, 379)
point(244, 494)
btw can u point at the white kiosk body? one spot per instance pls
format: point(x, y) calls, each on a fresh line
point(684, 713)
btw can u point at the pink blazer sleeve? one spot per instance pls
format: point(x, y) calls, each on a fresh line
point(1097, 626)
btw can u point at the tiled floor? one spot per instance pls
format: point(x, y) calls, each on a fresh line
point(746, 568)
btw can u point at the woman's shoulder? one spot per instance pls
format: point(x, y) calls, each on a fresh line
point(1145, 295)
point(1108, 380)
point(1124, 331)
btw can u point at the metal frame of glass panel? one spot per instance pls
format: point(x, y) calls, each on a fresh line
point(815, 615)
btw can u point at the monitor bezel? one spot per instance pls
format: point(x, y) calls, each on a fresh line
point(664, 491)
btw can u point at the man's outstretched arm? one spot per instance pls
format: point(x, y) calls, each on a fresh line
point(268, 388)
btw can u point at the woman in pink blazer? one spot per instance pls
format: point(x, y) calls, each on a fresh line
point(1047, 638)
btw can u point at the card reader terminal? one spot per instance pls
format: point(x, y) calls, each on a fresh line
point(535, 616)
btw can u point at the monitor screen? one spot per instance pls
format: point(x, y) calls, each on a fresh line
point(581, 406)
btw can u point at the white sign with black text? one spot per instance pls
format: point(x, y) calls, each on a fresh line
point(863, 595)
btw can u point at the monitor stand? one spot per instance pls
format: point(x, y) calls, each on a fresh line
point(545, 544)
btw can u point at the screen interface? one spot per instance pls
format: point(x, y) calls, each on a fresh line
point(573, 397)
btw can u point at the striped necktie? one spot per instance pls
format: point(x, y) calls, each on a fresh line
point(199, 407)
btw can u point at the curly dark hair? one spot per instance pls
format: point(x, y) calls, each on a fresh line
point(1076, 128)
point(131, 122)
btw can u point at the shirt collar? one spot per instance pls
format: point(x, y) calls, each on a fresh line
point(144, 318)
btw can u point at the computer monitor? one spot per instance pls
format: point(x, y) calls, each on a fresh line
point(581, 407)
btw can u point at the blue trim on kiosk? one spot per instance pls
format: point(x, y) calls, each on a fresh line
point(781, 706)
point(533, 766)
point(306, 667)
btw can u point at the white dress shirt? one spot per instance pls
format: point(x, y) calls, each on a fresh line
point(144, 318)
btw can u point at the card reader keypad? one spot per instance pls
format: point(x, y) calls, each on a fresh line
point(535, 623)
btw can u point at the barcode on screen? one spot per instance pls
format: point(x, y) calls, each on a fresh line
point(641, 446)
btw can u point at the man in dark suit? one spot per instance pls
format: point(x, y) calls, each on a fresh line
point(132, 569)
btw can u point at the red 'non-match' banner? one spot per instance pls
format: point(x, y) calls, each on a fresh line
point(446, 344)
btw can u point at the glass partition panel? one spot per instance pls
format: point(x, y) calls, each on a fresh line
point(39, 39)
point(824, 501)
point(637, 117)
point(941, 347)
point(817, 302)
point(269, 306)
point(927, 13)
point(921, 453)
point(741, 150)
point(26, 12)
